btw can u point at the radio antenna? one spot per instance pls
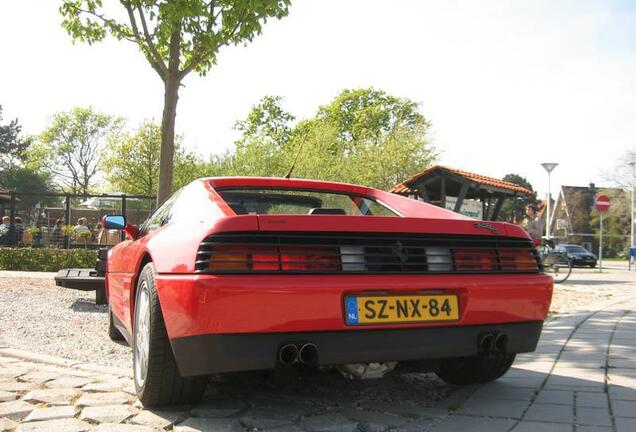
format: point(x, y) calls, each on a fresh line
point(300, 147)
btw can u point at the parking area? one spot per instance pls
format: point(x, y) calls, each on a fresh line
point(583, 375)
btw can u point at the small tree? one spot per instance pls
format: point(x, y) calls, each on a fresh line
point(131, 163)
point(176, 37)
point(623, 172)
point(12, 146)
point(71, 148)
point(514, 209)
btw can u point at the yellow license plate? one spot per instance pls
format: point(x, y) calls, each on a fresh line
point(400, 309)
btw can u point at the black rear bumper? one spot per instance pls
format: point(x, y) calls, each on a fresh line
point(216, 353)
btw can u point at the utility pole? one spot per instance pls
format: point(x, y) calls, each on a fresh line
point(631, 238)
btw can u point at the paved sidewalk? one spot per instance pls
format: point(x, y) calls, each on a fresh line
point(582, 378)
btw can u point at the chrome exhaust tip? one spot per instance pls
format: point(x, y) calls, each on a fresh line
point(288, 354)
point(308, 354)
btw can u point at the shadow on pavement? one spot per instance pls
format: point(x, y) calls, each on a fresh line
point(86, 305)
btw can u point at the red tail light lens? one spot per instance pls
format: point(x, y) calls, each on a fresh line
point(265, 258)
point(475, 259)
point(309, 258)
point(517, 259)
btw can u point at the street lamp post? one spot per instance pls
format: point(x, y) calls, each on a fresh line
point(548, 166)
point(631, 238)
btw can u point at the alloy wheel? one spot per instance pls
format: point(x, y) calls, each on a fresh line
point(142, 334)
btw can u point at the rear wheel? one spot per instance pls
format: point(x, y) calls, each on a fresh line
point(157, 379)
point(477, 369)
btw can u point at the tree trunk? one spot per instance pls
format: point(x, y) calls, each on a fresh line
point(171, 97)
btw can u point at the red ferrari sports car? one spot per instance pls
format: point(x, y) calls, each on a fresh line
point(234, 274)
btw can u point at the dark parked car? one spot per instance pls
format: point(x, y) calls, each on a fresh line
point(578, 255)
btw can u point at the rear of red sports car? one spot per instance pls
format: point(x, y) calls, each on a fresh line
point(298, 271)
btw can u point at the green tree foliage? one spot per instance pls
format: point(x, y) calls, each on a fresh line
point(176, 37)
point(12, 146)
point(363, 136)
point(131, 164)
point(370, 114)
point(514, 209)
point(25, 180)
point(266, 121)
point(71, 148)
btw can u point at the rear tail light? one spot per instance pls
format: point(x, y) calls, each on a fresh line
point(353, 258)
point(309, 259)
point(439, 259)
point(475, 259)
point(260, 253)
point(229, 258)
point(266, 258)
point(517, 260)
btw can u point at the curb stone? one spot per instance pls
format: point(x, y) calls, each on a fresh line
point(59, 361)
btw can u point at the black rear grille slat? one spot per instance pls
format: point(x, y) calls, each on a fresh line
point(346, 253)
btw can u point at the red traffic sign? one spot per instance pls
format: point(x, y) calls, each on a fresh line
point(602, 203)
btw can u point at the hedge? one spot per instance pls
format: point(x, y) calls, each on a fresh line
point(43, 259)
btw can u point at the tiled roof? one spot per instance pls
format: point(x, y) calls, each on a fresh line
point(405, 188)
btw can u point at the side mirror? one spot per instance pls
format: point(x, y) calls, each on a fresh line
point(116, 222)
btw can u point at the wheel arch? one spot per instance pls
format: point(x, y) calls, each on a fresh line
point(145, 259)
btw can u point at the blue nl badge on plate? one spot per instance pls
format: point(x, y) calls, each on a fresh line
point(351, 310)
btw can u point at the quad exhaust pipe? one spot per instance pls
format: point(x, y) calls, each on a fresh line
point(290, 354)
point(492, 343)
point(308, 354)
point(501, 342)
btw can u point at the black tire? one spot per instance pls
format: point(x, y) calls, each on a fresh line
point(113, 333)
point(162, 384)
point(478, 369)
point(100, 296)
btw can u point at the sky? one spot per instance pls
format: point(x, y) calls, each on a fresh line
point(507, 85)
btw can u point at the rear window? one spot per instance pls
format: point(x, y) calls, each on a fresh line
point(298, 201)
point(575, 249)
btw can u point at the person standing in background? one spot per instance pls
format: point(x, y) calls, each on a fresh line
point(534, 222)
point(18, 231)
point(57, 235)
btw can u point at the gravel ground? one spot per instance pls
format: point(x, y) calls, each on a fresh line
point(38, 316)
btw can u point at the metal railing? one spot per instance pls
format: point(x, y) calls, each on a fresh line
point(62, 220)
